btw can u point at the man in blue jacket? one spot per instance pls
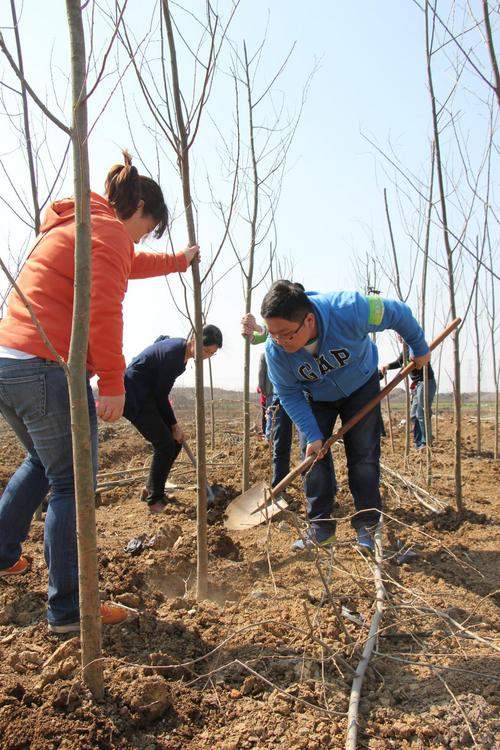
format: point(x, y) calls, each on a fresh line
point(323, 364)
point(149, 378)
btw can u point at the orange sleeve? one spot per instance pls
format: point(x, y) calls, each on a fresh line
point(145, 265)
point(111, 262)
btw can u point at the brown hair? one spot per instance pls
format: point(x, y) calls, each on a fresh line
point(125, 187)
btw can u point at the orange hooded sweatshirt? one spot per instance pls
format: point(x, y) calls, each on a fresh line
point(47, 279)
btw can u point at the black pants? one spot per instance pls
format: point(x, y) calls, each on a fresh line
point(362, 448)
point(154, 428)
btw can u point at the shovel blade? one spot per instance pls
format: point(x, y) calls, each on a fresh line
point(250, 508)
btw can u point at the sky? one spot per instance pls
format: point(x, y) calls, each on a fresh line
point(368, 81)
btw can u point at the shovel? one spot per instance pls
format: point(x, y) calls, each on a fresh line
point(258, 504)
point(210, 491)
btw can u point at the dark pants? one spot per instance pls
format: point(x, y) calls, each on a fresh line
point(362, 449)
point(279, 430)
point(155, 429)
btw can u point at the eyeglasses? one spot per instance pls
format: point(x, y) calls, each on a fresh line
point(287, 337)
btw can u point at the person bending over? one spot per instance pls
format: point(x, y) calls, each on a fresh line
point(323, 364)
point(149, 378)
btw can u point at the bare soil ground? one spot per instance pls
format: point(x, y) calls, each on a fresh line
point(265, 662)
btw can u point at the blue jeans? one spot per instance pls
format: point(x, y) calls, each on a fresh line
point(34, 400)
point(279, 430)
point(362, 448)
point(418, 412)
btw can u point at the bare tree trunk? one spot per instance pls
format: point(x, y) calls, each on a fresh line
point(436, 406)
point(491, 49)
point(478, 370)
point(245, 481)
point(397, 282)
point(427, 415)
point(90, 618)
point(212, 406)
point(428, 427)
point(26, 122)
point(492, 327)
point(201, 472)
point(407, 405)
point(29, 146)
point(457, 393)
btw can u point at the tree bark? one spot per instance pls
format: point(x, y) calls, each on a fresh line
point(90, 619)
point(29, 147)
point(491, 49)
point(425, 264)
point(457, 393)
point(201, 473)
point(494, 364)
point(26, 122)
point(478, 369)
point(212, 407)
point(407, 405)
point(245, 481)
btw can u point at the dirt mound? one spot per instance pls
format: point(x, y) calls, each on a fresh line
point(263, 662)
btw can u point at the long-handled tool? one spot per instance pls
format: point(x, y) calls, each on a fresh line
point(258, 504)
point(210, 490)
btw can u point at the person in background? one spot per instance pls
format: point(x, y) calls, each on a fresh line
point(278, 429)
point(278, 425)
point(33, 388)
point(417, 413)
point(149, 378)
point(265, 391)
point(323, 364)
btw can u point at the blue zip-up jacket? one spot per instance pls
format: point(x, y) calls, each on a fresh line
point(346, 357)
point(152, 374)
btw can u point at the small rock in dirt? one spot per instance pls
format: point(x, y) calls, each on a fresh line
point(30, 657)
point(149, 697)
point(192, 611)
point(178, 543)
point(68, 648)
point(180, 603)
point(128, 599)
point(68, 698)
point(165, 537)
point(136, 545)
point(251, 685)
point(258, 594)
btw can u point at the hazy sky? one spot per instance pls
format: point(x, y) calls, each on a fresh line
point(369, 79)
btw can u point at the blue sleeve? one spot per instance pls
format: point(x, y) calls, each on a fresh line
point(378, 314)
point(290, 393)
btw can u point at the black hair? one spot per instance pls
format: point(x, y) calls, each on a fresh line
point(125, 187)
point(287, 300)
point(212, 336)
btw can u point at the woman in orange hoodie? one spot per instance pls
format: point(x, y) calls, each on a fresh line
point(33, 389)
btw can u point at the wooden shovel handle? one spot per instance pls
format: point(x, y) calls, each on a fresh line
point(307, 462)
point(189, 453)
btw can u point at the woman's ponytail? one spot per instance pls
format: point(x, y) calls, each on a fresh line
point(125, 187)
